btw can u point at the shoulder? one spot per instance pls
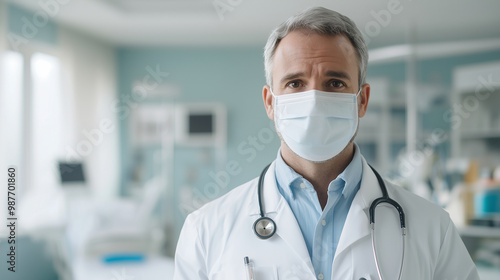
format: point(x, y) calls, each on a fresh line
point(415, 203)
point(431, 235)
point(206, 230)
point(232, 202)
point(420, 212)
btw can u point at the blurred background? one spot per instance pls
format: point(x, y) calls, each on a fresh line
point(120, 117)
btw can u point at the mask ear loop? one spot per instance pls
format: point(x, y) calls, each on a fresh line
point(272, 93)
point(357, 94)
point(274, 103)
point(359, 91)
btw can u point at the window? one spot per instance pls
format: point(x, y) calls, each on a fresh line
point(31, 114)
point(46, 120)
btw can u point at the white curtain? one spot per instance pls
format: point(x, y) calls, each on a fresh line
point(71, 116)
point(91, 126)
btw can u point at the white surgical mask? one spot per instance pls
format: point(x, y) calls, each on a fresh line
point(316, 125)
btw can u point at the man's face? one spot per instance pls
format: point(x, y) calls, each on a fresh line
point(305, 61)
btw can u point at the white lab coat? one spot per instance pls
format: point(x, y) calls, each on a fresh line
point(215, 239)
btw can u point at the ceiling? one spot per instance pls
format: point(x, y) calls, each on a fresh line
point(249, 22)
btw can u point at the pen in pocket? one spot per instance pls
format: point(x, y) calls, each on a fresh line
point(248, 268)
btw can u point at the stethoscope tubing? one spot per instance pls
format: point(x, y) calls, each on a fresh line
point(261, 225)
point(259, 189)
point(386, 199)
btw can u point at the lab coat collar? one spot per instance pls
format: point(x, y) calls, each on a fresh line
point(357, 221)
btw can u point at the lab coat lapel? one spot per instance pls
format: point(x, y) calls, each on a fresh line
point(288, 229)
point(276, 207)
point(357, 224)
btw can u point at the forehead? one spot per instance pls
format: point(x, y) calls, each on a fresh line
point(302, 50)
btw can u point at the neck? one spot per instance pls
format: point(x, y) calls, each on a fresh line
point(319, 174)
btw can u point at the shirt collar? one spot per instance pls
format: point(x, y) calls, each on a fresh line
point(352, 174)
point(348, 180)
point(285, 176)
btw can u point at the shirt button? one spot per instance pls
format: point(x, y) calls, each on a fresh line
point(323, 222)
point(302, 185)
point(320, 276)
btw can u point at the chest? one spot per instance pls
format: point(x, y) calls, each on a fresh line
point(284, 256)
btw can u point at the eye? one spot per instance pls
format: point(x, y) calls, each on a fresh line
point(294, 84)
point(336, 84)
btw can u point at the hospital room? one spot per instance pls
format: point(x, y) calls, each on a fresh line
point(202, 139)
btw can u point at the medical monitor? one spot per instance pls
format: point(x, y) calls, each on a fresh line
point(71, 173)
point(202, 124)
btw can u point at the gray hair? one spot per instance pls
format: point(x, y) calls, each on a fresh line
point(322, 21)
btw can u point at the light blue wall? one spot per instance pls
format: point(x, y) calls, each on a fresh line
point(232, 76)
point(25, 26)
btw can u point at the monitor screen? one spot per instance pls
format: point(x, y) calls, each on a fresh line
point(71, 172)
point(201, 123)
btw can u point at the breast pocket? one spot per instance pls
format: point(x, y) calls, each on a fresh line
point(259, 273)
point(266, 272)
point(295, 272)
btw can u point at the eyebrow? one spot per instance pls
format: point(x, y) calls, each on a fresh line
point(330, 73)
point(338, 74)
point(291, 76)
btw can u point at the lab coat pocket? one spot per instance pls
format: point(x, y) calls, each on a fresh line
point(265, 273)
point(295, 272)
point(259, 273)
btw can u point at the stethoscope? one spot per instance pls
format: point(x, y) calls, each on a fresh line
point(264, 227)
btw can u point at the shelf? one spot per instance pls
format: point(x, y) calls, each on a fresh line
point(392, 104)
point(398, 104)
point(479, 231)
point(373, 137)
point(480, 134)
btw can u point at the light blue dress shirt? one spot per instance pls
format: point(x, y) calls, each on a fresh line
point(321, 228)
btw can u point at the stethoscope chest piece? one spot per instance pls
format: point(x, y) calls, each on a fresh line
point(264, 227)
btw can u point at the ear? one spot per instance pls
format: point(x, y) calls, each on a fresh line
point(364, 96)
point(268, 101)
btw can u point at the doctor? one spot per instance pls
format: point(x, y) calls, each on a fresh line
point(319, 189)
